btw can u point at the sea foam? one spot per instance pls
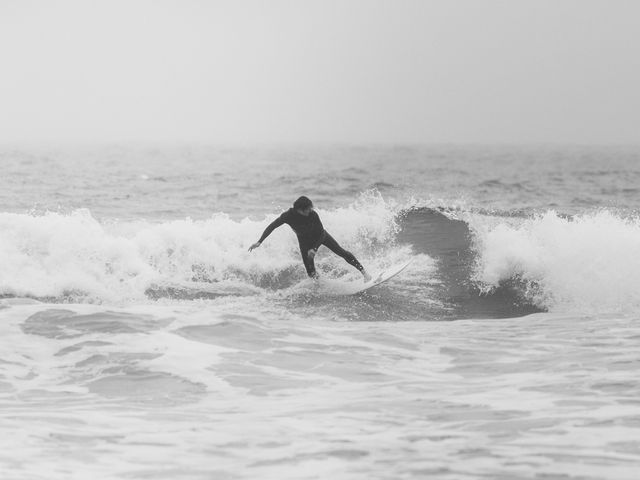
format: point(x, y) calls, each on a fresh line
point(589, 262)
point(75, 256)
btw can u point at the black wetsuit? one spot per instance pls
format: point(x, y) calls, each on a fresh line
point(311, 234)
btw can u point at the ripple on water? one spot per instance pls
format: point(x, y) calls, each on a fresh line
point(238, 332)
point(148, 387)
point(60, 323)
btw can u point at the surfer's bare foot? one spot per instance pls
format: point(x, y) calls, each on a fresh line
point(366, 276)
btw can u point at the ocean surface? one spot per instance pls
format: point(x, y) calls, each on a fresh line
point(140, 339)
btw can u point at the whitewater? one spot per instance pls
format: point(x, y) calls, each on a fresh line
point(141, 339)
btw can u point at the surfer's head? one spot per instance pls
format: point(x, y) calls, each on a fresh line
point(303, 205)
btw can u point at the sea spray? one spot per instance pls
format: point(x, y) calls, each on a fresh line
point(589, 262)
point(370, 222)
point(75, 257)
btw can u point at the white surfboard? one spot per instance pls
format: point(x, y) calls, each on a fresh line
point(338, 287)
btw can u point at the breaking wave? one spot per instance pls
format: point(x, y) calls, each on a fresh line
point(588, 262)
point(466, 263)
point(75, 257)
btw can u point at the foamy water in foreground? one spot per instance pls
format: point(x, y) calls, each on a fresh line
point(186, 392)
point(139, 338)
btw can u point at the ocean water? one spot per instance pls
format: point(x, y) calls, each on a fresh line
point(140, 339)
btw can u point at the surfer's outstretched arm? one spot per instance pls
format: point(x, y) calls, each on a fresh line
point(267, 231)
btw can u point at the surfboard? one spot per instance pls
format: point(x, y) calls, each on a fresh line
point(338, 287)
point(383, 276)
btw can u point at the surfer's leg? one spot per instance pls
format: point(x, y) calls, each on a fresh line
point(332, 245)
point(309, 264)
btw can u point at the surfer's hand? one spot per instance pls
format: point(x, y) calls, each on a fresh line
point(311, 253)
point(255, 245)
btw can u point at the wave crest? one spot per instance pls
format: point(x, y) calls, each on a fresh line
point(589, 262)
point(75, 257)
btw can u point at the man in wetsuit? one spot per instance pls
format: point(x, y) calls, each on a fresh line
point(306, 224)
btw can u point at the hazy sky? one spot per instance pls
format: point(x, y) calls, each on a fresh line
point(320, 71)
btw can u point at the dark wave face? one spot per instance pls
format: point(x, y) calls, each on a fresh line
point(450, 243)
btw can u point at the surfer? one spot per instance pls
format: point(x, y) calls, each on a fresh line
point(306, 224)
